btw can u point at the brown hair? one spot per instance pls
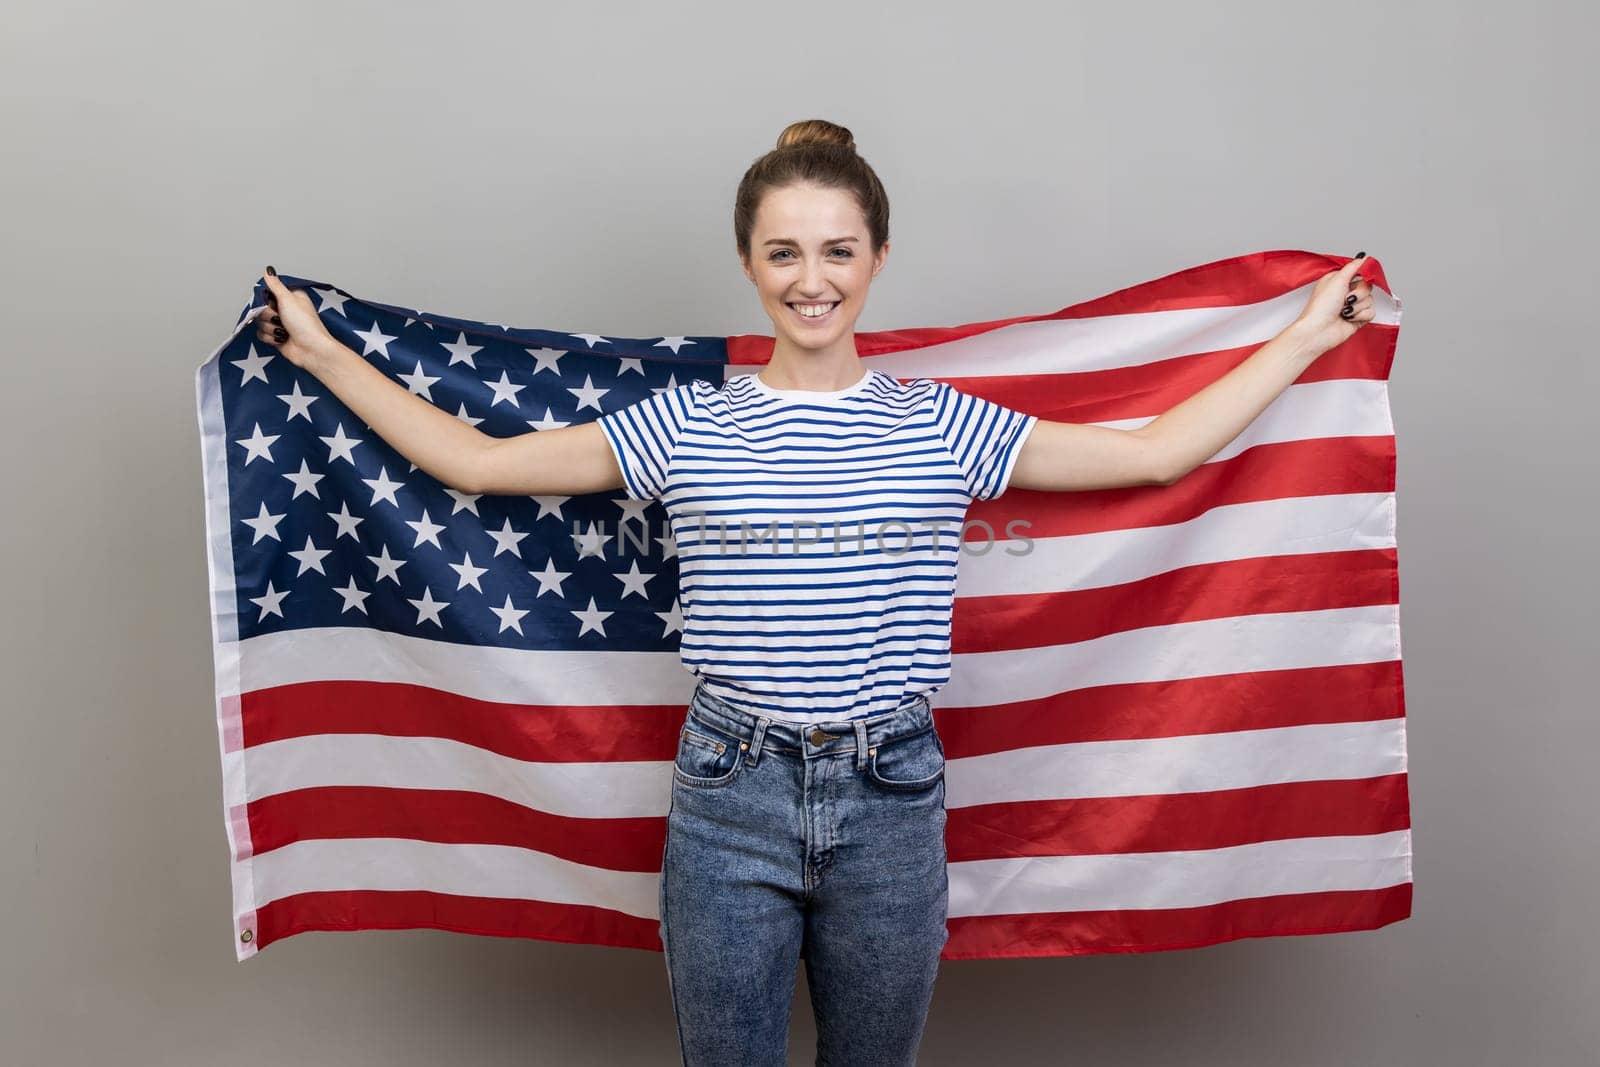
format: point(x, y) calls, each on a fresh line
point(821, 153)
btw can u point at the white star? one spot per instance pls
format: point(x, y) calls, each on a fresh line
point(427, 530)
point(305, 482)
point(464, 500)
point(388, 567)
point(460, 351)
point(673, 343)
point(270, 603)
point(310, 558)
point(550, 579)
point(669, 547)
point(633, 581)
point(353, 597)
point(549, 505)
point(672, 383)
point(632, 509)
point(265, 524)
point(504, 390)
point(673, 618)
point(340, 446)
point(383, 488)
point(374, 340)
point(505, 539)
point(591, 542)
point(419, 382)
point(510, 617)
point(256, 445)
point(468, 573)
point(461, 413)
point(546, 359)
point(331, 299)
point(347, 523)
point(549, 422)
point(299, 403)
point(428, 608)
point(588, 395)
point(252, 365)
point(592, 619)
point(630, 364)
point(591, 339)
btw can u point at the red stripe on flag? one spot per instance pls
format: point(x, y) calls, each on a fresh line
point(452, 816)
point(1212, 704)
point(1219, 703)
point(492, 916)
point(1324, 466)
point(580, 733)
point(1319, 581)
point(1148, 389)
point(1178, 821)
point(1079, 826)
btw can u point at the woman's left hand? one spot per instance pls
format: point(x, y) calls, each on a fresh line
point(1340, 304)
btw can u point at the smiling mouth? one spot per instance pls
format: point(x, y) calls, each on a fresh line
point(813, 318)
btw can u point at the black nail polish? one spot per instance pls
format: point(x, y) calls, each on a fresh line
point(1359, 255)
point(274, 318)
point(280, 334)
point(274, 273)
point(1351, 299)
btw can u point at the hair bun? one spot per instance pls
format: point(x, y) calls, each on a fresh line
point(816, 131)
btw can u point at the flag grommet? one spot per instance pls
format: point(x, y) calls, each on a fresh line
point(247, 936)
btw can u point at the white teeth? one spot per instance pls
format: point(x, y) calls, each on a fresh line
point(812, 311)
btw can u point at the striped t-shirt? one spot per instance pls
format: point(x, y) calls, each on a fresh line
point(817, 533)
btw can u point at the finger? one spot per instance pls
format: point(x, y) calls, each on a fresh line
point(275, 287)
point(1349, 269)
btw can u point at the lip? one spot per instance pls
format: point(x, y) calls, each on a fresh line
point(818, 320)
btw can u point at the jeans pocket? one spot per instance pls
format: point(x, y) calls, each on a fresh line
point(706, 758)
point(909, 763)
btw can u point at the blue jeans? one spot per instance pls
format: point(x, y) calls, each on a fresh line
point(789, 842)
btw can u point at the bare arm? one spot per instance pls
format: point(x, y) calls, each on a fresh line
point(1064, 455)
point(569, 460)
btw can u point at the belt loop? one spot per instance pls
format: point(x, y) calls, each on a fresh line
point(861, 744)
point(762, 722)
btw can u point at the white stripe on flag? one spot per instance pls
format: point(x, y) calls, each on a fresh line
point(1179, 879)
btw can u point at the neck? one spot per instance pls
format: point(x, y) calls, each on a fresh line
point(823, 370)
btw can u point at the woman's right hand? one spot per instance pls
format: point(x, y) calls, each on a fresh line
point(291, 324)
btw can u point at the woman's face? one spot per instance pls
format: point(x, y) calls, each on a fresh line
point(810, 246)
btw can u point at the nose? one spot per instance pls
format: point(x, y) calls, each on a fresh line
point(811, 284)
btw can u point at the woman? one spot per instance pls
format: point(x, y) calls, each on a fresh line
point(807, 810)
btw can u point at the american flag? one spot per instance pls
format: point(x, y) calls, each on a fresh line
point(1176, 719)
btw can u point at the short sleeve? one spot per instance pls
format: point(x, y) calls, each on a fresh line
point(985, 438)
point(643, 435)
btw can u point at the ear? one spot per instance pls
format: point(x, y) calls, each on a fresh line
point(883, 255)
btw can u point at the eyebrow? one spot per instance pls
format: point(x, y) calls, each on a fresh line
point(792, 241)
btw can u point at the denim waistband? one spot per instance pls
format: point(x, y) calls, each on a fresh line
point(810, 739)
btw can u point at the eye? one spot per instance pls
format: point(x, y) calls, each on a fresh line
point(784, 251)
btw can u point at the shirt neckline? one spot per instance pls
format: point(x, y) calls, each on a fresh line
point(811, 396)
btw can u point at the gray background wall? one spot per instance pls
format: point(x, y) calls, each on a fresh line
point(574, 167)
